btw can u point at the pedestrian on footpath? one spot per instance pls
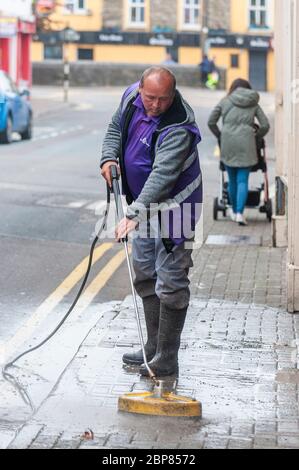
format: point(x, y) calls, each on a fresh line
point(153, 139)
point(239, 111)
point(205, 69)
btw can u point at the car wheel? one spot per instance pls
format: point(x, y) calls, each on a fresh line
point(27, 134)
point(6, 135)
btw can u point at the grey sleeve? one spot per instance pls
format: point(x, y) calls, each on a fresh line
point(263, 121)
point(168, 165)
point(112, 141)
point(213, 120)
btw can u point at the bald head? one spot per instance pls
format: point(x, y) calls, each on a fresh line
point(157, 89)
point(159, 74)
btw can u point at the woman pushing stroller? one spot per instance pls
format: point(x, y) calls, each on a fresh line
point(237, 140)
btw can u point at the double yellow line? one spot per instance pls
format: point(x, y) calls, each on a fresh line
point(26, 330)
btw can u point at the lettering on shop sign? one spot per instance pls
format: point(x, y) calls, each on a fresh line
point(259, 43)
point(111, 38)
point(218, 40)
point(161, 40)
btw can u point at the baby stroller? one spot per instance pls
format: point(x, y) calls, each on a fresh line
point(222, 203)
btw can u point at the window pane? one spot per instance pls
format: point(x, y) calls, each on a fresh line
point(133, 15)
point(263, 18)
point(187, 16)
point(53, 52)
point(252, 18)
point(85, 54)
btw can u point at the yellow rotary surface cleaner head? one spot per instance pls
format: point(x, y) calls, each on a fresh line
point(159, 403)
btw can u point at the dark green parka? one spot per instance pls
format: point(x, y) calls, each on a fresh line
point(239, 112)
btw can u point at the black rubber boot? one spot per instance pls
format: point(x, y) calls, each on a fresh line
point(165, 361)
point(151, 307)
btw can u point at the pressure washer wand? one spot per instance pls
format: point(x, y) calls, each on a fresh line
point(120, 216)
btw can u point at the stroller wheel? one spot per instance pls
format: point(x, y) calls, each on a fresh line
point(269, 210)
point(215, 209)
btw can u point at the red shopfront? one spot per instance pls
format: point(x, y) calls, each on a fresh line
point(15, 40)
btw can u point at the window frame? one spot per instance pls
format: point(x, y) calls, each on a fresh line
point(258, 10)
point(139, 5)
point(77, 10)
point(192, 7)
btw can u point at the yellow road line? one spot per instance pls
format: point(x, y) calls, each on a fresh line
point(25, 331)
point(99, 282)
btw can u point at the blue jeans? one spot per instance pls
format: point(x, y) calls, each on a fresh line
point(238, 187)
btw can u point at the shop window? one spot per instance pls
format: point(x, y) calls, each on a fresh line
point(234, 61)
point(258, 14)
point(136, 12)
point(53, 52)
point(85, 54)
point(191, 14)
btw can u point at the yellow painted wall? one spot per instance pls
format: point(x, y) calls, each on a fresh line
point(70, 52)
point(129, 54)
point(79, 22)
point(189, 55)
point(37, 51)
point(239, 16)
point(223, 59)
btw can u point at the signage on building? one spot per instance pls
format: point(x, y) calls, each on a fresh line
point(111, 38)
point(8, 27)
point(26, 28)
point(161, 40)
point(44, 8)
point(218, 41)
point(259, 43)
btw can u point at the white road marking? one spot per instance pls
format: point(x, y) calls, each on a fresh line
point(43, 133)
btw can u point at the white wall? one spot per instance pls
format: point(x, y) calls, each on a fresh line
point(17, 8)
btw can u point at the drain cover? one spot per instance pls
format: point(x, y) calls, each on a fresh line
point(233, 240)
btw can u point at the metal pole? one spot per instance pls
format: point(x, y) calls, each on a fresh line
point(66, 79)
point(204, 27)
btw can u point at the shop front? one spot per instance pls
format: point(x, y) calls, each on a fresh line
point(15, 40)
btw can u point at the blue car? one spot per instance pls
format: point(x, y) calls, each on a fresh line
point(15, 111)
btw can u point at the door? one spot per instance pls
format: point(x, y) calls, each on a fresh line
point(258, 70)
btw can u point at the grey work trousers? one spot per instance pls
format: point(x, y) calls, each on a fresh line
point(165, 274)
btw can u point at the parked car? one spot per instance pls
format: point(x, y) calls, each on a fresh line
point(15, 110)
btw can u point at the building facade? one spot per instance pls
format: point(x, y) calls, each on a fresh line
point(17, 25)
point(139, 31)
point(286, 220)
point(237, 33)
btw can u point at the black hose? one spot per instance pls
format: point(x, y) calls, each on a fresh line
point(8, 376)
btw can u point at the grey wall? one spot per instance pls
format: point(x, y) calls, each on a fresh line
point(86, 73)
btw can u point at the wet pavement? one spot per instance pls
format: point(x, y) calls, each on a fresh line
point(238, 357)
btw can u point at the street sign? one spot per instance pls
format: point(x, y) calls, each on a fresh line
point(69, 35)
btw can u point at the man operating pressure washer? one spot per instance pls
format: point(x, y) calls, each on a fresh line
point(153, 139)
